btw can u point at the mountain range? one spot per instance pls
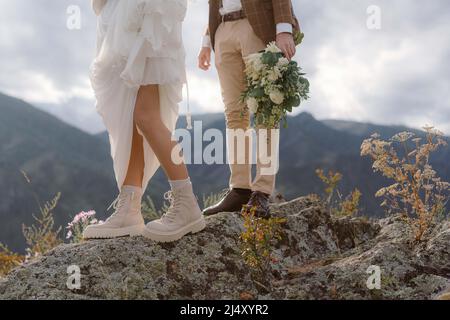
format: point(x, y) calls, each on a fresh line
point(58, 157)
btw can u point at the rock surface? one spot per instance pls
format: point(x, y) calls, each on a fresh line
point(319, 257)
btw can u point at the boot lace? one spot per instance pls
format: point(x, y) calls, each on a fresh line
point(118, 204)
point(171, 212)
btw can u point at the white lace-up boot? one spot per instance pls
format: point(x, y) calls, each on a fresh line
point(125, 221)
point(183, 216)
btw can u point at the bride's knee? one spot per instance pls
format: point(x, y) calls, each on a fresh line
point(147, 112)
point(143, 115)
point(145, 121)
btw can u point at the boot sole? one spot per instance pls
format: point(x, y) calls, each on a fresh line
point(215, 213)
point(113, 232)
point(192, 228)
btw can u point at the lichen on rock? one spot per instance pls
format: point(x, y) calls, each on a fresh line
point(319, 257)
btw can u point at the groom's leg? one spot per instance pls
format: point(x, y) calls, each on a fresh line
point(267, 142)
point(267, 160)
point(230, 67)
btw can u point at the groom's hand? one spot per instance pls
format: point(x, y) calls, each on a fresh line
point(204, 58)
point(285, 41)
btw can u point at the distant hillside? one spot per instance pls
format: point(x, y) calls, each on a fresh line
point(58, 157)
point(440, 160)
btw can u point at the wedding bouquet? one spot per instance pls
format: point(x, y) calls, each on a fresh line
point(275, 86)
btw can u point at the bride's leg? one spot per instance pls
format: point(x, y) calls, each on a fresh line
point(184, 215)
point(127, 219)
point(135, 173)
point(147, 116)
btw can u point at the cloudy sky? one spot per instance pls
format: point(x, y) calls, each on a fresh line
point(398, 74)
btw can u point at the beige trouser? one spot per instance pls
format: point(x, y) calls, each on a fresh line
point(234, 41)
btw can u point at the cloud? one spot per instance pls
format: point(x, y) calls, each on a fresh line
point(398, 74)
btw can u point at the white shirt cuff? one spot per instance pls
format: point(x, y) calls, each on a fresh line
point(284, 28)
point(206, 42)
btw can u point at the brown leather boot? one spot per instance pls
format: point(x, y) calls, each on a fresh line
point(233, 201)
point(259, 204)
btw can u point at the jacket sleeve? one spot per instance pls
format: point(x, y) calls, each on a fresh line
point(282, 10)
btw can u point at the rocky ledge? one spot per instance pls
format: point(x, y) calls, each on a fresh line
point(319, 257)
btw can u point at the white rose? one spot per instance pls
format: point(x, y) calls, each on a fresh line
point(276, 96)
point(282, 62)
point(272, 47)
point(252, 105)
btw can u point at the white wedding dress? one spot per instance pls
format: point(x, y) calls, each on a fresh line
point(139, 43)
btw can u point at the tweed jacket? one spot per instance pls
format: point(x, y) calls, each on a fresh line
point(263, 16)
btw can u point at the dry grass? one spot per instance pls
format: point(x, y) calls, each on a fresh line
point(8, 260)
point(339, 205)
point(40, 237)
point(416, 192)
